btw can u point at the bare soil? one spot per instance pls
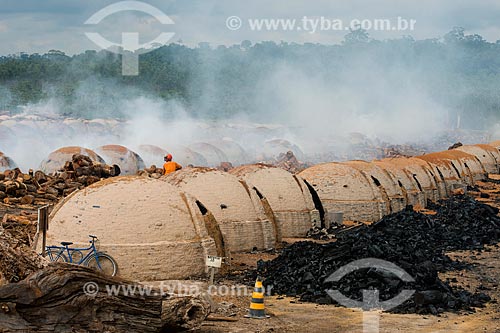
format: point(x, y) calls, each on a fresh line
point(289, 315)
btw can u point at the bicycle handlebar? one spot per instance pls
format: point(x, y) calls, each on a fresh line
point(92, 236)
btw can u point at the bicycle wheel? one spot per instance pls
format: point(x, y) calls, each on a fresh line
point(56, 256)
point(102, 262)
point(76, 256)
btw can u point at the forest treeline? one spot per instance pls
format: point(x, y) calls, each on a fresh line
point(459, 72)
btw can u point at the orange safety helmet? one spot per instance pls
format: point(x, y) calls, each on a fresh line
point(168, 157)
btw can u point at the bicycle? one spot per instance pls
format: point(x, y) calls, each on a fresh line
point(94, 259)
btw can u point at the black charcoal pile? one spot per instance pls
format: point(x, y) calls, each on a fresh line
point(413, 241)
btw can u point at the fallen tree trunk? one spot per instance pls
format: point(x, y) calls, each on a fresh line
point(70, 298)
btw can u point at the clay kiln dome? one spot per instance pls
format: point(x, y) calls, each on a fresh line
point(423, 175)
point(288, 195)
point(470, 166)
point(273, 148)
point(343, 188)
point(388, 186)
point(152, 155)
point(128, 161)
point(212, 154)
point(234, 152)
point(488, 155)
point(410, 187)
point(57, 158)
point(495, 144)
point(453, 167)
point(6, 163)
point(158, 233)
point(236, 207)
point(6, 133)
point(186, 156)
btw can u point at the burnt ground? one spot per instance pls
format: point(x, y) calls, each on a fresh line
point(290, 315)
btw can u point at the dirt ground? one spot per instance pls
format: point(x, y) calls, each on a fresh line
point(289, 315)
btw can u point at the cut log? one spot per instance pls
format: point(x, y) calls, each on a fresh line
point(70, 184)
point(9, 174)
point(40, 177)
point(68, 166)
point(11, 201)
point(11, 189)
point(68, 191)
point(115, 170)
point(83, 171)
point(64, 175)
point(15, 218)
point(98, 171)
point(30, 188)
point(53, 300)
point(50, 197)
point(151, 169)
point(27, 200)
point(42, 202)
point(52, 191)
point(81, 160)
point(30, 215)
point(21, 192)
point(60, 186)
point(88, 180)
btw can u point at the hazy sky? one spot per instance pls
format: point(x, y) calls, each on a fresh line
point(40, 25)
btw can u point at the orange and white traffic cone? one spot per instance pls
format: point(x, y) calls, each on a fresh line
point(257, 307)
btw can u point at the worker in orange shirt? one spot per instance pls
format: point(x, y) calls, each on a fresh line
point(170, 166)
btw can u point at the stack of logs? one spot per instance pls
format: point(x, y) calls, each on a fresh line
point(290, 163)
point(21, 226)
point(152, 172)
point(39, 188)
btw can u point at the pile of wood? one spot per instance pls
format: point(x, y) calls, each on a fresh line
point(21, 226)
point(17, 260)
point(390, 151)
point(290, 163)
point(152, 172)
point(38, 188)
point(225, 166)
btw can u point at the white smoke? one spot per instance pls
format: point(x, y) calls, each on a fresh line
point(316, 109)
